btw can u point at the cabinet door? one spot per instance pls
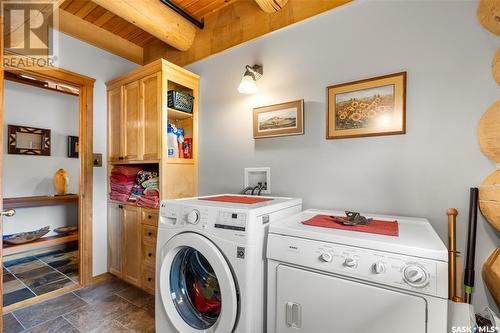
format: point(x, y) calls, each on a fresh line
point(115, 124)
point(115, 240)
point(151, 116)
point(132, 244)
point(131, 122)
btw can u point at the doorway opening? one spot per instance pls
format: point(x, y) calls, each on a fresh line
point(47, 184)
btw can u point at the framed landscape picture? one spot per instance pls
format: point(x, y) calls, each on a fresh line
point(279, 120)
point(371, 107)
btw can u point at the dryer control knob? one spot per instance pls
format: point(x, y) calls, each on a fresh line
point(350, 262)
point(326, 257)
point(415, 276)
point(378, 267)
point(193, 217)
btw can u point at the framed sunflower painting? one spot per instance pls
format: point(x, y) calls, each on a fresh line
point(371, 107)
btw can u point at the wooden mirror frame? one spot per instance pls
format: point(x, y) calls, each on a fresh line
point(13, 132)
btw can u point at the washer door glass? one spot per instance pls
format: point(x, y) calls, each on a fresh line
point(195, 289)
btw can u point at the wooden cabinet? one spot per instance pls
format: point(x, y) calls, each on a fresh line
point(150, 116)
point(115, 232)
point(115, 124)
point(131, 245)
point(125, 242)
point(138, 116)
point(134, 116)
point(131, 122)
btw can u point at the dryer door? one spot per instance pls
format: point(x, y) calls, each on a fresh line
point(196, 284)
point(313, 302)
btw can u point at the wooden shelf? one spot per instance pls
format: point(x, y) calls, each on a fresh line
point(38, 201)
point(174, 114)
point(172, 160)
point(130, 204)
point(39, 243)
point(134, 162)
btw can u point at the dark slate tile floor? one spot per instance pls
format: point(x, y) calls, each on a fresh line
point(36, 274)
point(109, 306)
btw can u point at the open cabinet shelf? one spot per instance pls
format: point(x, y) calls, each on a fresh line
point(38, 201)
point(39, 243)
point(174, 114)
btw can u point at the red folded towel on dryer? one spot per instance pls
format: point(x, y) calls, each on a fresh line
point(388, 228)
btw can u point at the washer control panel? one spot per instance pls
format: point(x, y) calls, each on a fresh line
point(203, 217)
point(231, 220)
point(410, 273)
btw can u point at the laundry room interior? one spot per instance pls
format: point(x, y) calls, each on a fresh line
point(250, 166)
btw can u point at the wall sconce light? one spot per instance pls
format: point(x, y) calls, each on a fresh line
point(248, 83)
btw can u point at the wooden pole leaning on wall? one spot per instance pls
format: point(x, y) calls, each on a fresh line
point(452, 255)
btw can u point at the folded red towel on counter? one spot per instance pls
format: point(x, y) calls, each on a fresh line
point(151, 192)
point(118, 178)
point(124, 189)
point(126, 170)
point(387, 228)
point(118, 196)
point(148, 201)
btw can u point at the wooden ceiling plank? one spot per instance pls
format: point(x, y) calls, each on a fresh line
point(126, 31)
point(85, 10)
point(142, 40)
point(65, 4)
point(115, 24)
point(95, 14)
point(156, 18)
point(75, 6)
point(90, 33)
point(208, 8)
point(134, 34)
point(100, 21)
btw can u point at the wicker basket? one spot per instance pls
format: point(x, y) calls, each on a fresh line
point(180, 101)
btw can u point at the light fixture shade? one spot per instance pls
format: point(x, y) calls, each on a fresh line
point(247, 85)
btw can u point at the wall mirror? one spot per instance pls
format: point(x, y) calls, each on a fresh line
point(28, 140)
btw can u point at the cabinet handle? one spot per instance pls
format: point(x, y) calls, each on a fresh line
point(120, 158)
point(150, 234)
point(149, 217)
point(149, 279)
point(120, 206)
point(150, 254)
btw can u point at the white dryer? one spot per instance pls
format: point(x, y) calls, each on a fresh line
point(211, 262)
point(329, 280)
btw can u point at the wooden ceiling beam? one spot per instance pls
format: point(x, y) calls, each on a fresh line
point(92, 34)
point(155, 18)
point(236, 23)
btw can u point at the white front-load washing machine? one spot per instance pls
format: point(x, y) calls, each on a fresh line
point(210, 269)
point(325, 280)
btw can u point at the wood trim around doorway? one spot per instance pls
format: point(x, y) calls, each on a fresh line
point(86, 87)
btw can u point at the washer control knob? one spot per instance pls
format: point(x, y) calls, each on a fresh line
point(350, 262)
point(193, 217)
point(415, 275)
point(378, 267)
point(325, 257)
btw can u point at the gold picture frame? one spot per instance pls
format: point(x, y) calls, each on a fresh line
point(279, 120)
point(371, 107)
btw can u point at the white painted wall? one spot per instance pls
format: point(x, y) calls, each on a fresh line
point(25, 175)
point(448, 59)
point(83, 58)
